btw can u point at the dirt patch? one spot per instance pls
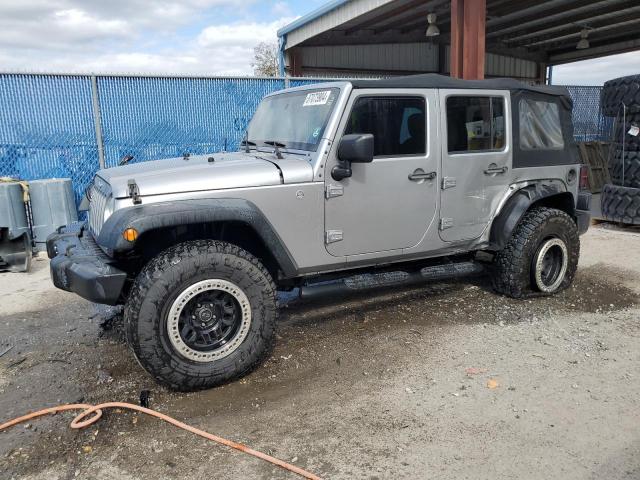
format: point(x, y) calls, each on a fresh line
point(357, 387)
point(596, 289)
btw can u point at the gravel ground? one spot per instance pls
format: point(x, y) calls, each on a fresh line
point(443, 381)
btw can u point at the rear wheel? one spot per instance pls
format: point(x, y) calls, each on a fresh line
point(200, 314)
point(540, 257)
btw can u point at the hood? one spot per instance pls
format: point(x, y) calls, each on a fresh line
point(227, 170)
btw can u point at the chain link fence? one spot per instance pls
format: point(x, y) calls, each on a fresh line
point(54, 126)
point(588, 122)
point(47, 128)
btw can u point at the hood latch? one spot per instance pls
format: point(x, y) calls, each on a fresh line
point(134, 191)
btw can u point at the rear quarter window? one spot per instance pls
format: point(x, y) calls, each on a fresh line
point(540, 127)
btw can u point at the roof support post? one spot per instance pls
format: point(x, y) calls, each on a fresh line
point(468, 18)
point(542, 73)
point(457, 29)
point(295, 62)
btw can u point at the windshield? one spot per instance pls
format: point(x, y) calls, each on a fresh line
point(293, 120)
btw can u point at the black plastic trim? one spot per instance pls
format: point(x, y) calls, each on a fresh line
point(79, 266)
point(145, 218)
point(584, 201)
point(583, 220)
point(515, 208)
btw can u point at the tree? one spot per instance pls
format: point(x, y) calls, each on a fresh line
point(265, 60)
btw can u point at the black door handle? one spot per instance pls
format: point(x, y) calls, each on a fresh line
point(420, 174)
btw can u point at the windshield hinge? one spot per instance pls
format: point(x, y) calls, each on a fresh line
point(332, 191)
point(134, 192)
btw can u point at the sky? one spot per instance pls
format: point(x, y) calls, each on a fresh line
point(596, 71)
point(160, 36)
point(209, 37)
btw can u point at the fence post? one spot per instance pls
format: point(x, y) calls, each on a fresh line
point(97, 123)
point(287, 83)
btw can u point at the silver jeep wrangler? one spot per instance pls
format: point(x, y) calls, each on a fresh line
point(365, 183)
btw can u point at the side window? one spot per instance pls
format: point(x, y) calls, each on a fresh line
point(397, 123)
point(540, 127)
point(475, 124)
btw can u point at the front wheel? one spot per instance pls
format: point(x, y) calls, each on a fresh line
point(201, 314)
point(540, 257)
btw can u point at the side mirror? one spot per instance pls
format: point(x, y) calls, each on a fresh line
point(353, 148)
point(356, 148)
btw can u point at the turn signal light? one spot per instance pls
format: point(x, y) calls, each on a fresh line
point(130, 234)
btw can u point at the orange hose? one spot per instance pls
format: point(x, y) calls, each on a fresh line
point(81, 421)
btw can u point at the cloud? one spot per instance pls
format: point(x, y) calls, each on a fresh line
point(281, 9)
point(598, 70)
point(34, 25)
point(240, 34)
point(135, 36)
point(204, 37)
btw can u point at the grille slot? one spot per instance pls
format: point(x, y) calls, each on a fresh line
point(100, 194)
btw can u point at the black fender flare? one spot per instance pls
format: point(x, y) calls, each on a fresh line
point(145, 218)
point(517, 205)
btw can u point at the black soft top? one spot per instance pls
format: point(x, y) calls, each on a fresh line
point(518, 91)
point(433, 80)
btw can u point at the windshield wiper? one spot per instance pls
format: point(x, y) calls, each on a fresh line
point(124, 160)
point(277, 146)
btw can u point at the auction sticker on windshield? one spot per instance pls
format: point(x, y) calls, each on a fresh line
point(317, 98)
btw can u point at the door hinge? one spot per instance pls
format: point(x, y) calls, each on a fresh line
point(332, 191)
point(448, 182)
point(332, 236)
point(446, 223)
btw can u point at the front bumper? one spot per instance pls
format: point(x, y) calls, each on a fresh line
point(78, 265)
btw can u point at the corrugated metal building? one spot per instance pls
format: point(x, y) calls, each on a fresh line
point(387, 37)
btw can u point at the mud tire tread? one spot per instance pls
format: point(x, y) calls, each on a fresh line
point(166, 275)
point(618, 91)
point(621, 204)
point(511, 269)
point(631, 165)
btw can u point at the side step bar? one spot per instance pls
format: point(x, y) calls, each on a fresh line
point(369, 281)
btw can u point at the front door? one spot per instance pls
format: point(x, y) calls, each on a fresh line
point(476, 160)
point(387, 204)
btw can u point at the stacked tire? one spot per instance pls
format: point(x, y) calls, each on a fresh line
point(620, 201)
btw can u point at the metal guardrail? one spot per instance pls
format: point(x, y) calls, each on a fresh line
point(70, 125)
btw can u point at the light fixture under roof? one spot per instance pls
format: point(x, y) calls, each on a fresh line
point(584, 41)
point(432, 29)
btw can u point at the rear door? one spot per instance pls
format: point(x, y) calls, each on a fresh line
point(476, 160)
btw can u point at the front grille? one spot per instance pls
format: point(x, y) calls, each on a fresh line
point(100, 194)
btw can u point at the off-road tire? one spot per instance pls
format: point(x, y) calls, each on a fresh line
point(513, 269)
point(618, 91)
point(630, 176)
point(161, 282)
point(621, 204)
point(622, 136)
